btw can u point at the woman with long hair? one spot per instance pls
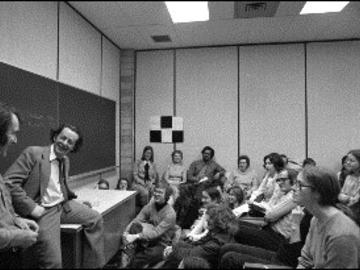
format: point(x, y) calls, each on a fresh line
point(350, 192)
point(145, 175)
point(221, 223)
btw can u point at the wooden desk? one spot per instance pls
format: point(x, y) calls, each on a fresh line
point(117, 208)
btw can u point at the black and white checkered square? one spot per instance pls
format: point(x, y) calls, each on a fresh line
point(166, 129)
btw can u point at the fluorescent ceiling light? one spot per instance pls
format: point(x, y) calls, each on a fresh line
point(188, 11)
point(323, 7)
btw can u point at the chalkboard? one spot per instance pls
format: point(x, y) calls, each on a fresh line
point(35, 98)
point(95, 116)
point(44, 104)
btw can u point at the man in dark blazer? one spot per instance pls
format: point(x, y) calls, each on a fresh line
point(38, 184)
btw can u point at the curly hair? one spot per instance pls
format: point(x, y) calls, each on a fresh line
point(222, 218)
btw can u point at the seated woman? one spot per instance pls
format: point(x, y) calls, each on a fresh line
point(145, 175)
point(175, 174)
point(333, 240)
point(236, 201)
point(103, 184)
point(344, 172)
point(277, 215)
point(198, 230)
point(123, 184)
point(350, 192)
point(273, 163)
point(243, 177)
point(221, 223)
point(308, 162)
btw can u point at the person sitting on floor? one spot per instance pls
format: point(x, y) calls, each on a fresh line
point(158, 220)
point(221, 223)
point(236, 201)
point(198, 230)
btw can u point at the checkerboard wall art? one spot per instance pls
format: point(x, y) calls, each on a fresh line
point(166, 129)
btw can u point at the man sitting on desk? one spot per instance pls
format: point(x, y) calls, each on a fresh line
point(15, 232)
point(37, 181)
point(158, 222)
point(206, 170)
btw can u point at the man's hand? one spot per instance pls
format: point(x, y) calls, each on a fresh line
point(167, 251)
point(131, 237)
point(38, 211)
point(27, 224)
point(24, 238)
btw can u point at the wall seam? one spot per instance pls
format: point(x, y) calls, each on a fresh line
point(306, 105)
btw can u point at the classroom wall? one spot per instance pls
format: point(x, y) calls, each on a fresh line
point(299, 99)
point(52, 40)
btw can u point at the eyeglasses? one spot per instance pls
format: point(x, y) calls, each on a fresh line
point(300, 185)
point(282, 179)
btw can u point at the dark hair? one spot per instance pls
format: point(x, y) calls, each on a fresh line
point(177, 152)
point(292, 174)
point(214, 193)
point(148, 147)
point(104, 181)
point(276, 160)
point(308, 161)
point(55, 132)
point(119, 181)
point(356, 154)
point(6, 113)
point(238, 192)
point(208, 148)
point(164, 185)
point(343, 172)
point(283, 156)
point(192, 262)
point(324, 182)
point(246, 158)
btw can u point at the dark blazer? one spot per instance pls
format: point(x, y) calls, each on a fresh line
point(28, 177)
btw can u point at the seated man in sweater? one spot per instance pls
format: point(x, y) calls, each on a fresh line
point(158, 221)
point(205, 172)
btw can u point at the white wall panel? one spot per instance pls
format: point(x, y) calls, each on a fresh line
point(154, 95)
point(206, 97)
point(110, 71)
point(28, 32)
point(80, 51)
point(272, 102)
point(333, 100)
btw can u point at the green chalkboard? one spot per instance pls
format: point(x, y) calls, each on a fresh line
point(44, 104)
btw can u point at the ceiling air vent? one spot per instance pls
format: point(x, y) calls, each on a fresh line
point(253, 9)
point(164, 38)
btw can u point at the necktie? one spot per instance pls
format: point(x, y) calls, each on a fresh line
point(146, 167)
point(62, 178)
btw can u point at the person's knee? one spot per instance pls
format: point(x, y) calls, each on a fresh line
point(231, 260)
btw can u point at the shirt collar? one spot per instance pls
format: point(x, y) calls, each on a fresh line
point(52, 153)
